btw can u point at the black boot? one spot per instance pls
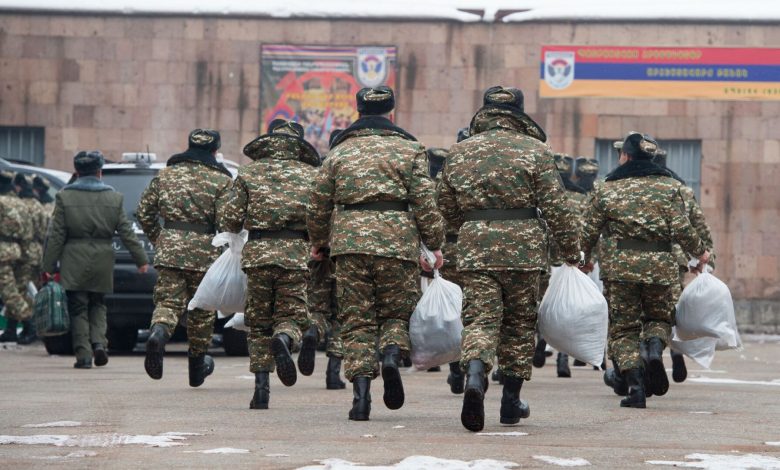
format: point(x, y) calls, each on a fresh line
point(285, 367)
point(636, 393)
point(656, 372)
point(27, 335)
point(563, 365)
point(578, 363)
point(100, 354)
point(308, 350)
point(201, 366)
point(512, 407)
point(9, 334)
point(614, 379)
point(361, 399)
point(262, 392)
point(434, 369)
point(85, 363)
point(472, 416)
point(394, 388)
point(332, 379)
point(539, 353)
point(679, 371)
point(456, 379)
point(155, 350)
point(497, 376)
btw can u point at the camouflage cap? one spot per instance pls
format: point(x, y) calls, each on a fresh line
point(375, 101)
point(288, 130)
point(463, 134)
point(586, 166)
point(639, 146)
point(40, 184)
point(437, 157)
point(205, 139)
point(511, 100)
point(6, 177)
point(88, 162)
point(563, 163)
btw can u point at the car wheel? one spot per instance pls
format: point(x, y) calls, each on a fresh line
point(61, 345)
point(122, 339)
point(235, 343)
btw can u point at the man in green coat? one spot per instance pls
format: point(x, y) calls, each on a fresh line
point(87, 213)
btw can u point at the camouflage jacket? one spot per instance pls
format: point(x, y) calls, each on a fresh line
point(575, 199)
point(696, 216)
point(16, 229)
point(32, 252)
point(449, 249)
point(271, 193)
point(185, 191)
point(638, 201)
point(501, 168)
point(375, 161)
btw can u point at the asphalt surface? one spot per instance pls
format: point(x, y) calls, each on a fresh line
point(570, 418)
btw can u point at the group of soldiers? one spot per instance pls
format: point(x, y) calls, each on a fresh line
point(333, 249)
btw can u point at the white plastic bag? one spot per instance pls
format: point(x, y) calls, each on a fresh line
point(573, 315)
point(594, 276)
point(224, 285)
point(435, 327)
point(237, 322)
point(705, 309)
point(701, 350)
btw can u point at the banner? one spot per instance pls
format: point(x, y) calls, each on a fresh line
point(316, 85)
point(660, 72)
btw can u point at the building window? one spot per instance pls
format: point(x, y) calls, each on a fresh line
point(684, 158)
point(22, 144)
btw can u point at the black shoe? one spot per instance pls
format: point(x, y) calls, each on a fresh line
point(472, 415)
point(262, 392)
point(201, 366)
point(27, 336)
point(636, 393)
point(456, 379)
point(539, 353)
point(155, 350)
point(434, 369)
point(100, 354)
point(332, 379)
point(308, 350)
point(361, 399)
point(394, 388)
point(512, 407)
point(563, 365)
point(656, 372)
point(578, 363)
point(497, 376)
point(285, 367)
point(614, 379)
point(85, 363)
point(407, 361)
point(679, 371)
point(9, 334)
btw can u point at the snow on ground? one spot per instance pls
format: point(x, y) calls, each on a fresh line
point(723, 462)
point(561, 462)
point(510, 433)
point(772, 443)
point(221, 450)
point(710, 380)
point(415, 462)
point(168, 439)
point(55, 424)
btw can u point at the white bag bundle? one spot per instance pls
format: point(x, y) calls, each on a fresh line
point(701, 350)
point(594, 276)
point(435, 327)
point(237, 322)
point(573, 315)
point(224, 285)
point(705, 309)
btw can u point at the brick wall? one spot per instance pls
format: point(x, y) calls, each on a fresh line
point(122, 83)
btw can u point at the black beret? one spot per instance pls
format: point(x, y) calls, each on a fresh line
point(375, 101)
point(274, 124)
point(88, 162)
point(40, 184)
point(205, 139)
point(640, 146)
point(463, 134)
point(507, 98)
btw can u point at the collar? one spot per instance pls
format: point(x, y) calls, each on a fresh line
point(378, 123)
point(203, 157)
point(637, 169)
point(89, 183)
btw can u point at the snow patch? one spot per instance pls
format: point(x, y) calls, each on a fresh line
point(99, 440)
point(368, 436)
point(277, 455)
point(246, 377)
point(711, 380)
point(772, 443)
point(398, 427)
point(701, 412)
point(510, 433)
point(723, 462)
point(224, 450)
point(562, 462)
point(416, 462)
point(55, 424)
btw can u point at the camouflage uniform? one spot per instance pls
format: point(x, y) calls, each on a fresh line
point(16, 231)
point(33, 251)
point(323, 305)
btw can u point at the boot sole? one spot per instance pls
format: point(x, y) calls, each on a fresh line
point(633, 405)
point(285, 367)
point(101, 357)
point(307, 354)
point(358, 416)
point(394, 388)
point(564, 374)
point(472, 416)
point(153, 363)
point(523, 415)
point(659, 382)
point(679, 371)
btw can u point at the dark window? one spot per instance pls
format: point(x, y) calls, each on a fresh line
point(131, 183)
point(22, 144)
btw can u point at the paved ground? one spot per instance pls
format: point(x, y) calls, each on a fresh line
point(570, 418)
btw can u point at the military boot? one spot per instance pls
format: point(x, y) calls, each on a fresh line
point(497, 376)
point(563, 365)
point(434, 369)
point(394, 388)
point(540, 356)
point(656, 372)
point(100, 354)
point(308, 350)
point(679, 371)
point(614, 379)
point(472, 415)
point(636, 393)
point(332, 379)
point(201, 366)
point(285, 367)
point(578, 363)
point(262, 392)
point(155, 350)
point(84, 363)
point(361, 399)
point(9, 334)
point(27, 336)
point(456, 379)
point(512, 407)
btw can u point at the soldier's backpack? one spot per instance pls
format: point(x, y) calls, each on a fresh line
point(50, 313)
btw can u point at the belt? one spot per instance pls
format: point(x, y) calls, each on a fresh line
point(525, 213)
point(206, 229)
point(379, 206)
point(451, 238)
point(283, 234)
point(642, 245)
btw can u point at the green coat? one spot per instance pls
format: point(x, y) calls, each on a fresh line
point(86, 215)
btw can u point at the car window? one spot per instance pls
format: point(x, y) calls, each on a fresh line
point(131, 183)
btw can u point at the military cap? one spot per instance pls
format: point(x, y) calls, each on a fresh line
point(587, 166)
point(205, 139)
point(437, 157)
point(22, 180)
point(563, 163)
point(334, 134)
point(40, 184)
point(463, 134)
point(375, 101)
point(88, 162)
point(513, 101)
point(660, 157)
point(288, 130)
point(639, 146)
point(273, 124)
point(6, 177)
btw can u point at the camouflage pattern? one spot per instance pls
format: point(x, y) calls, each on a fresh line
point(276, 303)
point(16, 230)
point(323, 306)
point(575, 200)
point(184, 192)
point(499, 318)
point(172, 293)
point(696, 216)
point(376, 296)
point(88, 324)
point(32, 252)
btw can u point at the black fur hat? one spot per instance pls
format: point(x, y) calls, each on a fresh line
point(86, 163)
point(375, 101)
point(205, 139)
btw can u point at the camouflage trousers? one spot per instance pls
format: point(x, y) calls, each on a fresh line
point(275, 303)
point(376, 296)
point(87, 312)
point(323, 312)
point(637, 312)
point(499, 319)
point(13, 290)
point(173, 291)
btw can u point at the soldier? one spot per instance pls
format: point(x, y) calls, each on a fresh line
point(16, 232)
point(185, 195)
point(378, 174)
point(494, 184)
point(586, 172)
point(641, 210)
point(269, 199)
point(41, 188)
point(87, 213)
